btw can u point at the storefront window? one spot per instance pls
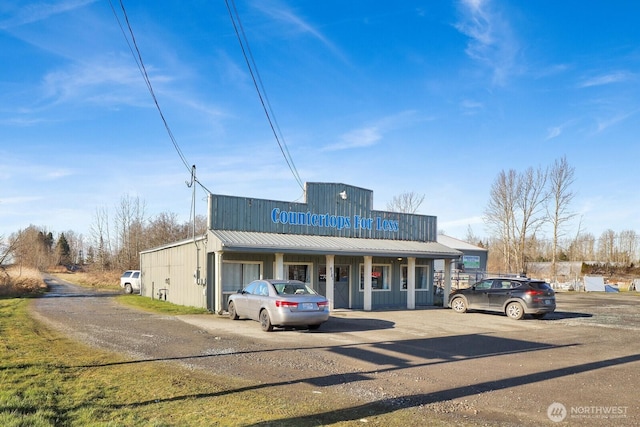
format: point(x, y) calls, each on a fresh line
point(236, 275)
point(380, 277)
point(422, 277)
point(301, 272)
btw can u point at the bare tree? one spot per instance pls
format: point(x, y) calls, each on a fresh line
point(514, 213)
point(532, 196)
point(32, 247)
point(627, 246)
point(499, 214)
point(101, 238)
point(561, 177)
point(471, 237)
point(129, 226)
point(76, 246)
point(607, 246)
point(406, 203)
point(582, 248)
point(164, 228)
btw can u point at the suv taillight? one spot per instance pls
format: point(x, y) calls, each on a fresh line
point(535, 294)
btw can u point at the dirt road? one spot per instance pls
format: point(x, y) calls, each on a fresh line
point(579, 366)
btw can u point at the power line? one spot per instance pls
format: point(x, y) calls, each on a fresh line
point(137, 56)
point(262, 95)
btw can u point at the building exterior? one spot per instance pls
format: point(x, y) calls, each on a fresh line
point(472, 266)
point(359, 258)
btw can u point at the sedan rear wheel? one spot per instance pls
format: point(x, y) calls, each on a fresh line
point(459, 305)
point(265, 321)
point(515, 311)
point(232, 311)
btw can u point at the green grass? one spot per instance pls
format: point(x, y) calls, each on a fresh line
point(47, 379)
point(158, 306)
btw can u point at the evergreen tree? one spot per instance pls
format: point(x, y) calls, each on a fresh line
point(63, 251)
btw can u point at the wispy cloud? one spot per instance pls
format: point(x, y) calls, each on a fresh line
point(92, 80)
point(606, 79)
point(293, 22)
point(603, 124)
point(39, 11)
point(370, 134)
point(492, 42)
point(556, 131)
point(56, 174)
point(18, 200)
point(470, 107)
point(553, 132)
point(363, 137)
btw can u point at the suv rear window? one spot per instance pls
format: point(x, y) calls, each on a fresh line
point(541, 285)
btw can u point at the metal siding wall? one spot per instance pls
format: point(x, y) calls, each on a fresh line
point(247, 214)
point(177, 264)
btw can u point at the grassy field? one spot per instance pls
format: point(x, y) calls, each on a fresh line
point(50, 380)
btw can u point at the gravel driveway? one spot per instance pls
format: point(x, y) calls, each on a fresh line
point(469, 369)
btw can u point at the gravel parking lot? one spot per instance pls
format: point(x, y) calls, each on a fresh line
point(577, 367)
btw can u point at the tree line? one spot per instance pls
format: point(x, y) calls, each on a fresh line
point(115, 240)
point(528, 217)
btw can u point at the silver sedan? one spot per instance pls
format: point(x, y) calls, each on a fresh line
point(279, 303)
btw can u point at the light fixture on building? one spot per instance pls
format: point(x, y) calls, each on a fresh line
point(343, 195)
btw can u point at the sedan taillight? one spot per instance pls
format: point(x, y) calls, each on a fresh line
point(323, 304)
point(289, 304)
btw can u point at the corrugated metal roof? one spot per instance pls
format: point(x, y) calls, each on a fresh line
point(452, 242)
point(236, 241)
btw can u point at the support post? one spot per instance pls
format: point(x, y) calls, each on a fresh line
point(330, 282)
point(411, 283)
point(447, 281)
point(279, 273)
point(368, 266)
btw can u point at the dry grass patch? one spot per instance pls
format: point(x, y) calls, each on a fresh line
point(92, 279)
point(18, 281)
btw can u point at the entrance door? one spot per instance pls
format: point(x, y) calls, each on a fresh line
point(341, 284)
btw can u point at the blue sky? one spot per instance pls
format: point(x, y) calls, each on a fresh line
point(432, 97)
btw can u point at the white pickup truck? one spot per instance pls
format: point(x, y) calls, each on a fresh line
point(130, 281)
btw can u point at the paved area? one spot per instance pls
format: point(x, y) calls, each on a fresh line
point(578, 366)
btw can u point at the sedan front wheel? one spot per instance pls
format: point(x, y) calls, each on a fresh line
point(233, 315)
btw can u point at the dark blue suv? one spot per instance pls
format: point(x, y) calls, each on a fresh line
point(513, 296)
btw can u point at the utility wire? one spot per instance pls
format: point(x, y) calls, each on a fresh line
point(262, 95)
point(137, 56)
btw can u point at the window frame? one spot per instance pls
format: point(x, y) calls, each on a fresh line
point(403, 279)
point(389, 277)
